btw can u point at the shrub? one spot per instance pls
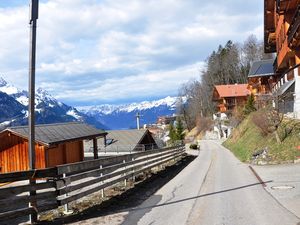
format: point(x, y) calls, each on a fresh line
point(204, 124)
point(268, 121)
point(260, 119)
point(194, 146)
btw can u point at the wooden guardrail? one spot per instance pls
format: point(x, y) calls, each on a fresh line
point(62, 184)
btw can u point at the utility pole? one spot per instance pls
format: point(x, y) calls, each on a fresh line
point(138, 115)
point(32, 57)
point(34, 8)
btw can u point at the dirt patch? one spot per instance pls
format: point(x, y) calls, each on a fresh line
point(119, 199)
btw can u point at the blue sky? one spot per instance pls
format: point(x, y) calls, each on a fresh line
point(105, 51)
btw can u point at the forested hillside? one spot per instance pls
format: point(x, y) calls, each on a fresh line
point(229, 64)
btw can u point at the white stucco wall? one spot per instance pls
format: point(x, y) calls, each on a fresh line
point(297, 94)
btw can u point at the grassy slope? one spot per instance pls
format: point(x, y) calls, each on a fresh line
point(247, 138)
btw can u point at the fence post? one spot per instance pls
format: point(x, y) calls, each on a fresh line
point(177, 150)
point(33, 218)
point(66, 208)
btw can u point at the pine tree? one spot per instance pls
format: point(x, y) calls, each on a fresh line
point(250, 105)
point(179, 129)
point(172, 133)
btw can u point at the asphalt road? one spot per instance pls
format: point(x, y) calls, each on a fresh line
point(214, 189)
point(286, 184)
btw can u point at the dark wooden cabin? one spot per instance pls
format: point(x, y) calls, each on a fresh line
point(56, 144)
point(129, 140)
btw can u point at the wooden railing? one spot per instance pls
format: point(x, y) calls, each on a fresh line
point(65, 183)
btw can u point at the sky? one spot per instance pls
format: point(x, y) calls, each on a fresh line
point(116, 51)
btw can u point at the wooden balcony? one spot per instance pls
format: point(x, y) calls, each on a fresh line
point(283, 54)
point(293, 31)
point(269, 27)
point(282, 5)
point(285, 81)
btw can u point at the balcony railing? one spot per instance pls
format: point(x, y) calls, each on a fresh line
point(289, 75)
point(294, 27)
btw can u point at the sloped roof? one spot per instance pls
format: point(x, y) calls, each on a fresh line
point(261, 68)
point(49, 134)
point(125, 138)
point(232, 90)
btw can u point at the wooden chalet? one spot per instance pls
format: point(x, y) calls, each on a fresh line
point(261, 79)
point(56, 144)
point(164, 120)
point(124, 141)
point(230, 97)
point(282, 36)
point(134, 140)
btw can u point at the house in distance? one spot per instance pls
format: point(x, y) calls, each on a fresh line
point(231, 96)
point(56, 144)
point(123, 142)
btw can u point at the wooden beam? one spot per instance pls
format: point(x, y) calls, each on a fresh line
point(95, 147)
point(25, 175)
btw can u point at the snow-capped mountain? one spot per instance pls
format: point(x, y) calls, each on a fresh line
point(124, 116)
point(14, 108)
point(169, 102)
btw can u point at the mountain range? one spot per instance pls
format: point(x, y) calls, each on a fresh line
point(124, 116)
point(14, 110)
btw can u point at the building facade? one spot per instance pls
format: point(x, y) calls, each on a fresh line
point(282, 36)
point(55, 144)
point(230, 97)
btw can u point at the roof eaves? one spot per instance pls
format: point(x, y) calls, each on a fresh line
point(78, 138)
point(26, 137)
point(261, 75)
point(146, 131)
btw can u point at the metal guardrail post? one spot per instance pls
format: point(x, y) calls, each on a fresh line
point(133, 176)
point(66, 207)
point(102, 190)
point(174, 158)
point(161, 159)
point(125, 181)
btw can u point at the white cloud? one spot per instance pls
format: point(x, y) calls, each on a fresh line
point(110, 50)
point(156, 83)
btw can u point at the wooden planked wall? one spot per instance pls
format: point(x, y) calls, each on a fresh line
point(14, 154)
point(68, 152)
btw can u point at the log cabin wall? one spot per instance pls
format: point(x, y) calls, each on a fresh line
point(68, 152)
point(14, 154)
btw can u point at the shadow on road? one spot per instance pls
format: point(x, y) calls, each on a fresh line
point(199, 196)
point(129, 199)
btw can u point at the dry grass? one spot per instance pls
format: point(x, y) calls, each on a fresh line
point(247, 139)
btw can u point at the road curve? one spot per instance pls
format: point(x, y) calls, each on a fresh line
point(215, 189)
